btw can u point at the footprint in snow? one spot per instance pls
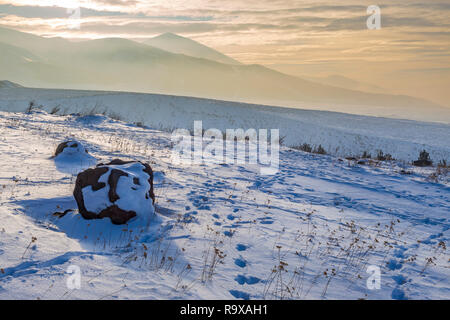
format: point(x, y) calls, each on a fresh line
point(241, 247)
point(398, 294)
point(228, 233)
point(399, 279)
point(241, 279)
point(400, 252)
point(240, 262)
point(394, 265)
point(240, 294)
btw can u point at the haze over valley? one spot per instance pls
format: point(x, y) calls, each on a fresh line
point(175, 65)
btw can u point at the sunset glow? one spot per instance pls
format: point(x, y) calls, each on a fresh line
point(410, 54)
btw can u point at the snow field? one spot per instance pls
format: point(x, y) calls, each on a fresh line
point(221, 231)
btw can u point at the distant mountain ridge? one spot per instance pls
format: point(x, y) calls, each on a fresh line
point(9, 84)
point(177, 44)
point(116, 64)
point(347, 83)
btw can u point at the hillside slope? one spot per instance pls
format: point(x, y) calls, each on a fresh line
point(324, 221)
point(340, 134)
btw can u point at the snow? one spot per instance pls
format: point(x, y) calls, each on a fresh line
point(339, 133)
point(74, 158)
point(132, 197)
point(220, 230)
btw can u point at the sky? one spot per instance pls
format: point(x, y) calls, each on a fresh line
point(409, 54)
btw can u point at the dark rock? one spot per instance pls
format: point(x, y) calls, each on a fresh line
point(69, 144)
point(116, 169)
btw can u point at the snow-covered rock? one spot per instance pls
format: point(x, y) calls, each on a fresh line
point(72, 157)
point(118, 190)
point(70, 148)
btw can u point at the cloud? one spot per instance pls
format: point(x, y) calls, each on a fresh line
point(258, 30)
point(50, 12)
point(118, 2)
point(430, 5)
point(387, 21)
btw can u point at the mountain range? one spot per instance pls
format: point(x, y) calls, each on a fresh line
point(171, 64)
point(176, 44)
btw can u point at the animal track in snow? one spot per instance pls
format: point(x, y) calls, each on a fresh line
point(241, 279)
point(240, 294)
point(240, 262)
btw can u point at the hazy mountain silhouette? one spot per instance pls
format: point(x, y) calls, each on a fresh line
point(347, 83)
point(177, 44)
point(9, 84)
point(121, 64)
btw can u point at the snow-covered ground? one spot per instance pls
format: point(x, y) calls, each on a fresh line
point(339, 133)
point(224, 231)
